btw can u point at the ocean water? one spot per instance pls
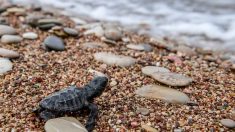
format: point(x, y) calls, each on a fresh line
point(202, 23)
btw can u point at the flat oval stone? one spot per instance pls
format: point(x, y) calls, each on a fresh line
point(54, 43)
point(47, 26)
point(93, 45)
point(143, 47)
point(149, 70)
point(30, 35)
point(164, 93)
point(64, 124)
point(8, 53)
point(228, 123)
point(17, 10)
point(71, 31)
point(4, 29)
point(172, 79)
point(98, 31)
point(49, 21)
point(7, 39)
point(112, 59)
point(113, 34)
point(5, 65)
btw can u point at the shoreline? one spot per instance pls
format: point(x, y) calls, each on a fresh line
point(38, 72)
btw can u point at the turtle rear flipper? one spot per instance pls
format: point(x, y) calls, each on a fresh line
point(37, 110)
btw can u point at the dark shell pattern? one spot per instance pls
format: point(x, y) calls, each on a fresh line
point(64, 100)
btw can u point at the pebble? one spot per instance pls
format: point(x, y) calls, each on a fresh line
point(88, 26)
point(64, 124)
point(148, 128)
point(228, 123)
point(54, 43)
point(142, 111)
point(112, 59)
point(71, 31)
point(134, 124)
point(7, 39)
point(108, 41)
point(113, 34)
point(4, 29)
point(178, 130)
point(49, 21)
point(164, 93)
point(141, 47)
point(30, 35)
point(177, 60)
point(92, 45)
point(113, 83)
point(17, 10)
point(8, 53)
point(98, 31)
point(149, 70)
point(5, 65)
point(47, 26)
point(97, 73)
point(186, 50)
point(172, 79)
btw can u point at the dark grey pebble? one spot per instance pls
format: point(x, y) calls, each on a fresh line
point(54, 43)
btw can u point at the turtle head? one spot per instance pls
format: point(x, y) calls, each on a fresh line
point(97, 86)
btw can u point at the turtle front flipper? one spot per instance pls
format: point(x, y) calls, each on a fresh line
point(46, 115)
point(92, 117)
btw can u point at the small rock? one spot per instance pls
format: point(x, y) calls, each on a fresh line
point(134, 124)
point(144, 47)
point(93, 45)
point(113, 34)
point(148, 128)
point(113, 83)
point(7, 39)
point(5, 65)
point(112, 59)
point(47, 26)
point(17, 10)
point(71, 31)
point(178, 130)
point(186, 50)
point(88, 26)
point(98, 31)
point(149, 70)
point(8, 53)
point(49, 21)
point(177, 60)
point(4, 29)
point(64, 124)
point(30, 35)
point(60, 33)
point(126, 39)
point(228, 123)
point(164, 93)
point(108, 41)
point(172, 79)
point(97, 73)
point(143, 111)
point(54, 43)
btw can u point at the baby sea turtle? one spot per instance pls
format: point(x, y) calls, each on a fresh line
point(73, 99)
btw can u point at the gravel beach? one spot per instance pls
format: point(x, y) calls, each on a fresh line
point(55, 53)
